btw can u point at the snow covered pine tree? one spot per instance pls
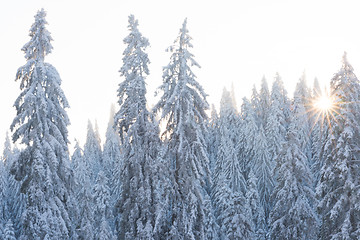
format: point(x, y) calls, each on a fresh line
point(183, 106)
point(41, 125)
point(140, 142)
point(338, 189)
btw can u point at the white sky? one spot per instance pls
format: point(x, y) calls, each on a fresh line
point(234, 41)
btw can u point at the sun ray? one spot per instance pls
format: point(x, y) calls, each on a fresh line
point(323, 108)
point(323, 103)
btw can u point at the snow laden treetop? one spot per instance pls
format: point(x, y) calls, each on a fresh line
point(39, 45)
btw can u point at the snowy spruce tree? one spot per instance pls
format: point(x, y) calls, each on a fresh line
point(320, 130)
point(93, 152)
point(112, 164)
point(182, 108)
point(227, 161)
point(293, 215)
point(229, 184)
point(41, 126)
point(247, 130)
point(213, 137)
point(255, 103)
point(276, 127)
point(304, 92)
point(232, 212)
point(254, 153)
point(255, 207)
point(83, 194)
point(264, 98)
point(3, 194)
point(233, 98)
point(76, 159)
point(338, 190)
point(102, 208)
point(302, 108)
point(262, 168)
point(14, 198)
point(134, 71)
point(139, 136)
point(229, 114)
point(320, 127)
point(111, 153)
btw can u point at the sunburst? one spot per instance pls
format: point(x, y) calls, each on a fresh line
point(324, 103)
point(323, 108)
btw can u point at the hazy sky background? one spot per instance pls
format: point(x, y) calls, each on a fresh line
point(235, 42)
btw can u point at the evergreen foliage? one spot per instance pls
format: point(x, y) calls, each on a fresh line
point(248, 174)
point(338, 189)
point(14, 200)
point(83, 193)
point(9, 232)
point(255, 207)
point(263, 171)
point(102, 213)
point(41, 126)
point(293, 215)
point(93, 152)
point(139, 136)
point(276, 127)
point(182, 108)
point(112, 165)
point(264, 102)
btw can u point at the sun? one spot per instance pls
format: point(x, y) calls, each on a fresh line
point(324, 103)
point(324, 108)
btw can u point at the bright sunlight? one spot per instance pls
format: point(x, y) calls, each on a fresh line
point(323, 108)
point(324, 103)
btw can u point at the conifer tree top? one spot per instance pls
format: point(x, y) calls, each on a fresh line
point(179, 80)
point(132, 90)
point(345, 64)
point(39, 45)
point(184, 38)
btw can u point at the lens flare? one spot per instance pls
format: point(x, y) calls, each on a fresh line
point(323, 109)
point(324, 103)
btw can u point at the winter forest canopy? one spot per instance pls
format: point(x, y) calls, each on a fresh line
point(275, 167)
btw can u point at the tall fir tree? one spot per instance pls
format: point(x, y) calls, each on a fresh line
point(112, 163)
point(229, 184)
point(41, 125)
point(102, 208)
point(264, 96)
point(83, 194)
point(302, 106)
point(213, 138)
point(248, 130)
point(255, 104)
point(183, 106)
point(233, 97)
point(227, 161)
point(262, 168)
point(319, 128)
point(140, 143)
point(276, 127)
point(293, 215)
point(255, 207)
point(3, 194)
point(134, 71)
point(229, 112)
point(338, 190)
point(14, 198)
point(93, 152)
point(111, 153)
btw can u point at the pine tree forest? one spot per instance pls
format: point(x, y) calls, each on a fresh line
point(277, 167)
